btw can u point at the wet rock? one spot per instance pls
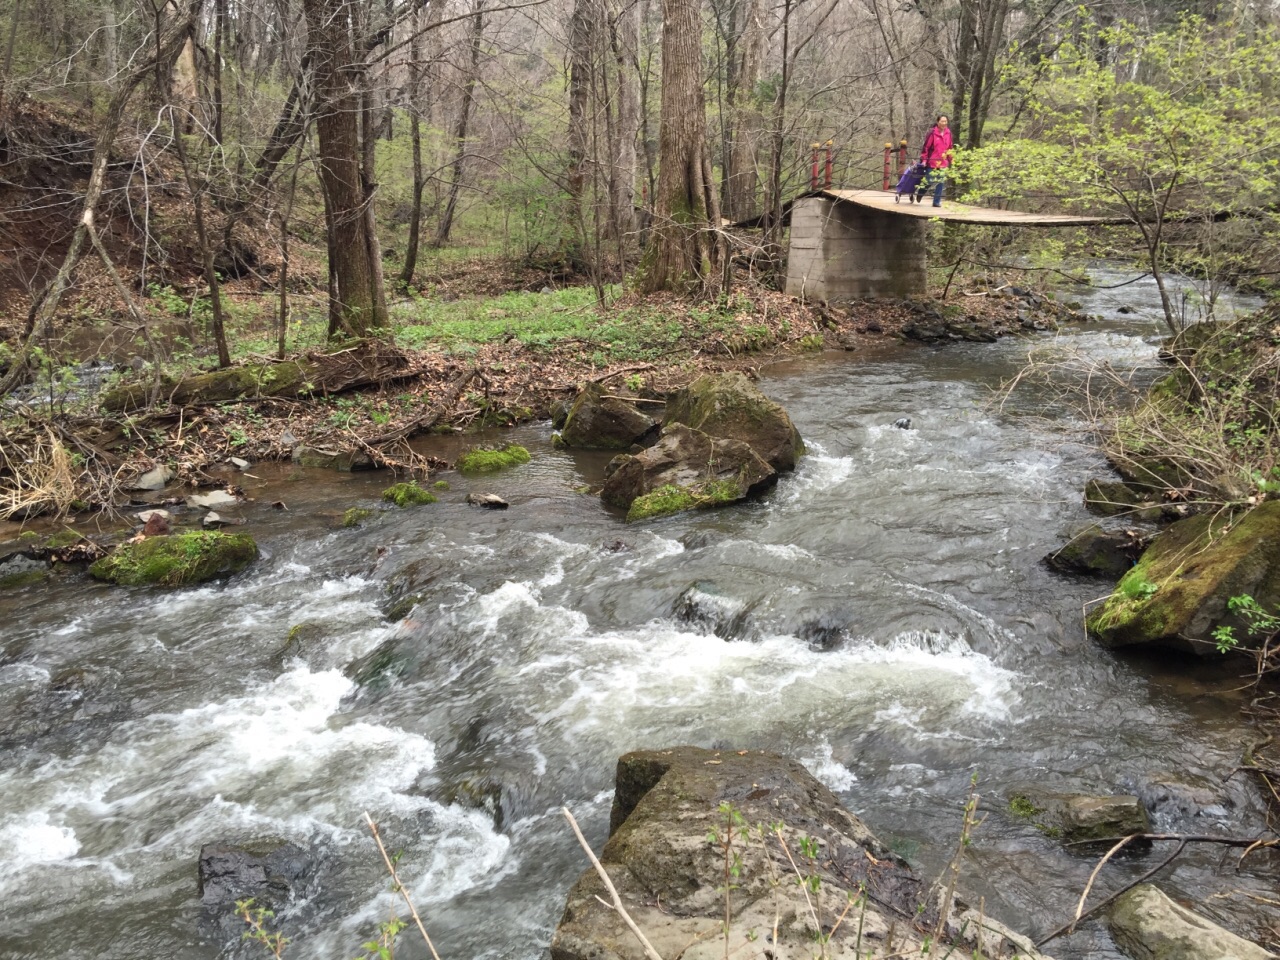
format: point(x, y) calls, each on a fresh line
point(705, 609)
point(212, 500)
point(271, 872)
point(598, 421)
point(903, 423)
point(329, 458)
point(238, 462)
point(1177, 594)
point(729, 406)
point(1079, 818)
point(1147, 925)
point(685, 470)
point(157, 525)
point(1182, 795)
point(1109, 498)
point(177, 560)
point(146, 515)
point(490, 501)
point(670, 877)
point(1124, 308)
point(825, 632)
point(560, 413)
point(379, 668)
point(1096, 552)
point(155, 479)
point(18, 570)
point(491, 460)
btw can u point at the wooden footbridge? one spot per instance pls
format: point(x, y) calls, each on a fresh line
point(850, 244)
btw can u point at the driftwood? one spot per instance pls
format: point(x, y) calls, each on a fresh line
point(363, 364)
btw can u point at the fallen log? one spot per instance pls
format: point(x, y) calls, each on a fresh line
point(363, 364)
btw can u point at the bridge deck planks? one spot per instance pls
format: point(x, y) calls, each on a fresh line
point(950, 210)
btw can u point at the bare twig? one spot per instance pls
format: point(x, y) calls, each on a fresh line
point(399, 887)
point(649, 951)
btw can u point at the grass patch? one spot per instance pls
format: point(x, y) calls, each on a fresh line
point(490, 461)
point(1020, 805)
point(407, 495)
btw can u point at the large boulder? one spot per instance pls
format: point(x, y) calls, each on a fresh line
point(686, 469)
point(1177, 594)
point(729, 405)
point(675, 812)
point(271, 869)
point(1078, 817)
point(597, 421)
point(1147, 925)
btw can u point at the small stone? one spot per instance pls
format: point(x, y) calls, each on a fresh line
point(1125, 309)
point(156, 525)
point(154, 479)
point(146, 515)
point(214, 498)
point(211, 519)
point(239, 463)
point(903, 423)
point(489, 500)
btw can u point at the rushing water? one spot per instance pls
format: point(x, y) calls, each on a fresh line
point(883, 615)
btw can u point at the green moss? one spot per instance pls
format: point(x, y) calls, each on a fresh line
point(483, 460)
point(28, 535)
point(441, 485)
point(402, 607)
point(1020, 805)
point(356, 516)
point(63, 538)
point(407, 494)
point(22, 579)
point(177, 560)
point(671, 498)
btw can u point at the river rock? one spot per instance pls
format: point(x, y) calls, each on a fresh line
point(490, 501)
point(597, 421)
point(729, 406)
point(344, 461)
point(707, 610)
point(212, 500)
point(1096, 552)
point(18, 570)
point(1177, 594)
point(671, 876)
point(154, 479)
point(272, 869)
point(1179, 795)
point(1147, 925)
point(177, 560)
point(1109, 498)
point(1079, 818)
point(697, 469)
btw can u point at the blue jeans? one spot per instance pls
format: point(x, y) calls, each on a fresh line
point(936, 181)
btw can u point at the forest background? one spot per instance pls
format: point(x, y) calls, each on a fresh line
point(460, 199)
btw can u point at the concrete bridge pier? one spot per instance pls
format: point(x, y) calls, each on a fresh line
point(843, 251)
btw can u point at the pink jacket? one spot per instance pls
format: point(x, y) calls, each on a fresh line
point(936, 152)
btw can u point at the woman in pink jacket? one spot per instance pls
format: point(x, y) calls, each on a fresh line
point(936, 155)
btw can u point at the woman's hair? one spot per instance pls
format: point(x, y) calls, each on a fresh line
point(938, 118)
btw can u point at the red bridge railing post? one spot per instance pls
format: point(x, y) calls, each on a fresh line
point(902, 157)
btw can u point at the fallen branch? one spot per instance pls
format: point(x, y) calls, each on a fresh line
point(399, 887)
point(649, 952)
point(429, 419)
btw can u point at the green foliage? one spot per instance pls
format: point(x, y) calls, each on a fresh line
point(1021, 806)
point(1136, 587)
point(490, 461)
point(406, 495)
point(1258, 622)
point(257, 919)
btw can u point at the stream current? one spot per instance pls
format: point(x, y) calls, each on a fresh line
point(883, 616)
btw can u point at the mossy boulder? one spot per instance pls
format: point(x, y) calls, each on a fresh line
point(177, 560)
point(1079, 818)
point(669, 868)
point(491, 460)
point(19, 570)
point(1176, 596)
point(685, 470)
point(598, 421)
point(405, 495)
point(729, 406)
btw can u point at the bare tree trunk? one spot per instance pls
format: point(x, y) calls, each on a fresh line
point(622, 180)
point(685, 250)
point(415, 136)
point(206, 251)
point(369, 126)
point(744, 120)
point(581, 65)
point(337, 125)
point(219, 35)
point(176, 33)
point(8, 55)
point(464, 118)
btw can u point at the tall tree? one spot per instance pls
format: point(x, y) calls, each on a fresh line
point(686, 246)
point(445, 225)
point(357, 309)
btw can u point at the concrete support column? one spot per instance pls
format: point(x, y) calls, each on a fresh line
point(840, 251)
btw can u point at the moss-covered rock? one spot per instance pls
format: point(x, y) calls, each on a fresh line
point(407, 495)
point(685, 470)
point(730, 406)
point(1109, 498)
point(356, 516)
point(490, 460)
point(1177, 594)
point(1095, 552)
point(177, 560)
point(598, 421)
point(1079, 818)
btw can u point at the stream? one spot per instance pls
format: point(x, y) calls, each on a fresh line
point(883, 616)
